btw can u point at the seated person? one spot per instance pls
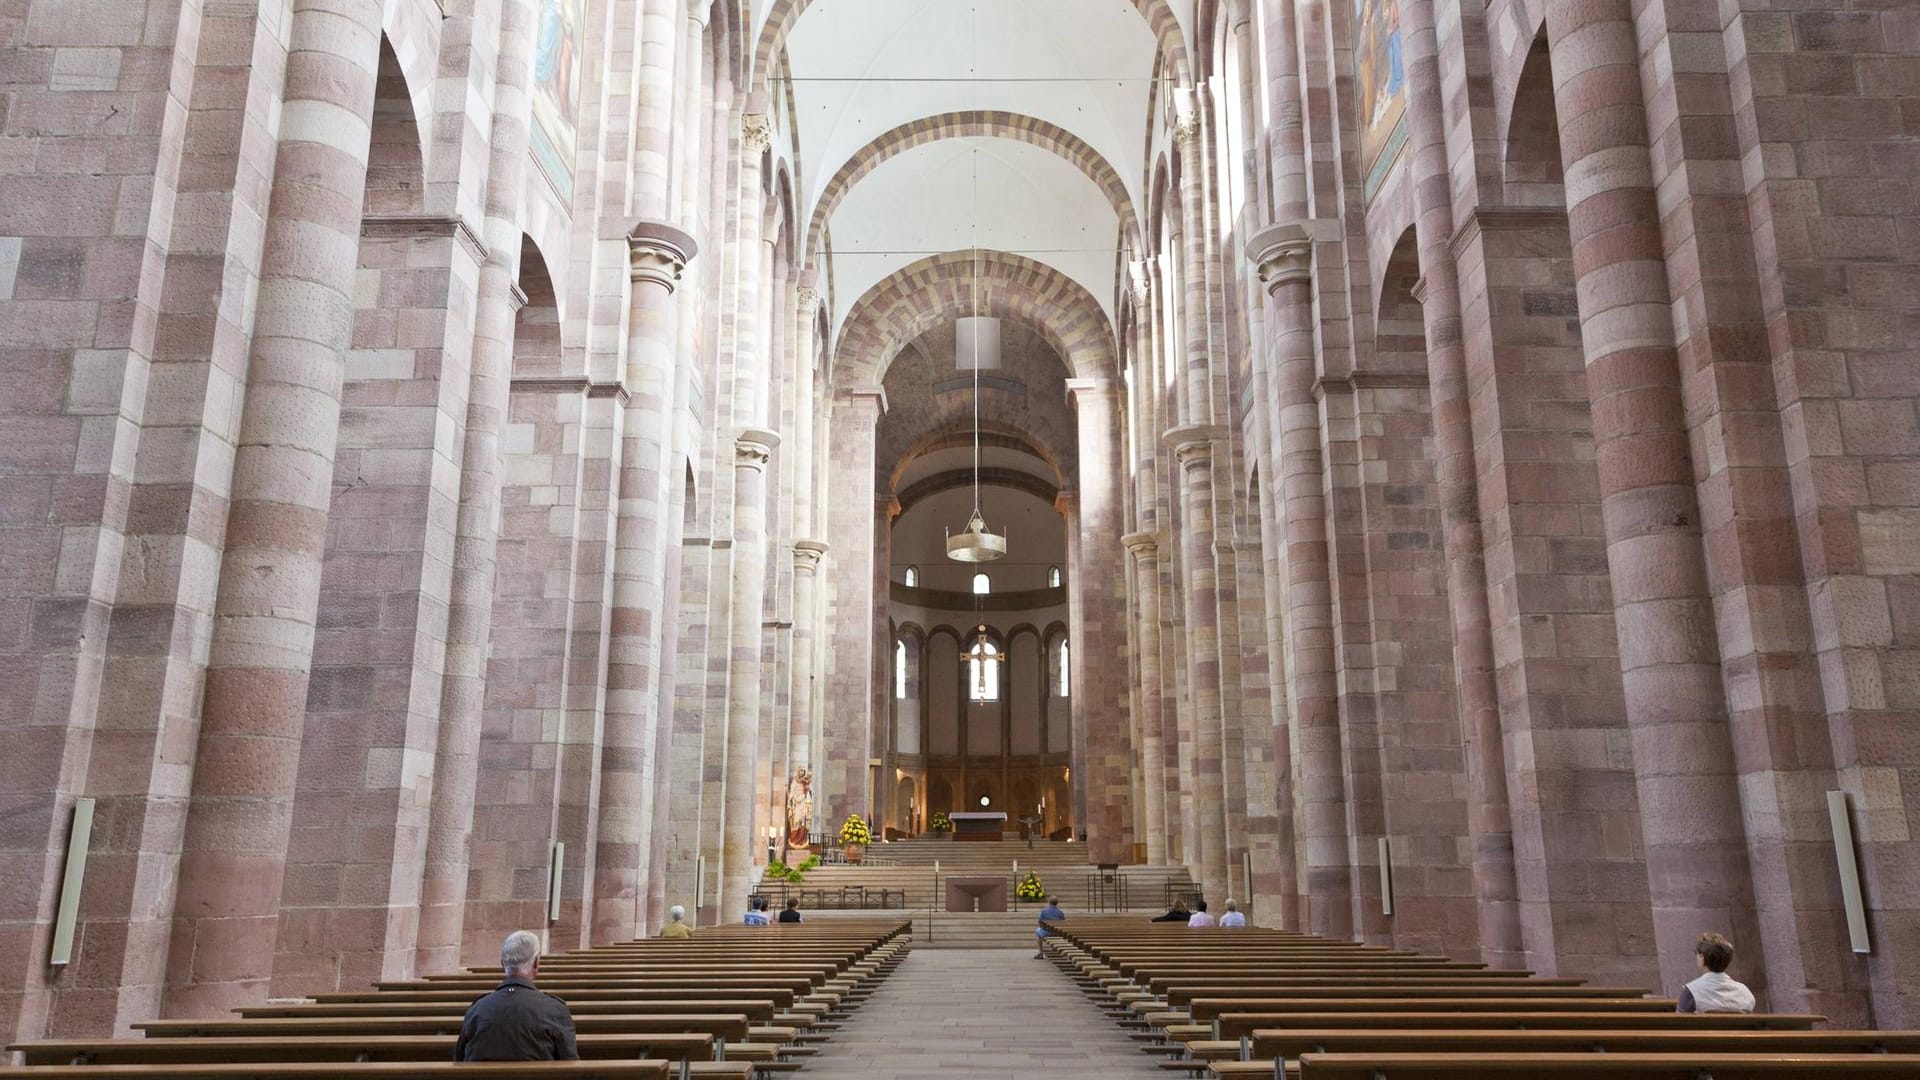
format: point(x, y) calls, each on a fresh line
point(1233, 919)
point(1050, 913)
point(517, 1022)
point(1715, 990)
point(792, 912)
point(757, 913)
point(1200, 917)
point(1177, 913)
point(676, 927)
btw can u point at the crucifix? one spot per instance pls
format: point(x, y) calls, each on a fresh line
point(983, 658)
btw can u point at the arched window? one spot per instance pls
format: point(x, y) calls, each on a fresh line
point(913, 577)
point(1066, 686)
point(982, 585)
point(900, 670)
point(1053, 577)
point(983, 671)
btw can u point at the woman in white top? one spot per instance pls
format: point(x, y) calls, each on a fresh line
point(1233, 920)
point(1200, 916)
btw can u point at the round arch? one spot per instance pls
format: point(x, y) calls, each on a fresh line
point(973, 123)
point(1159, 14)
point(922, 295)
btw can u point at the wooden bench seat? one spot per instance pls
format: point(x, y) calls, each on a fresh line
point(1207, 1008)
point(747, 1001)
point(1268, 1046)
point(671, 1046)
point(1180, 993)
point(731, 1027)
point(759, 1010)
point(1232, 1025)
point(352, 1070)
point(1605, 1066)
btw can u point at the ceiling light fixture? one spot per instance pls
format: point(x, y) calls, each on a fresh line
point(977, 543)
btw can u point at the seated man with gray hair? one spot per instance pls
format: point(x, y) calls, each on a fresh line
point(517, 1022)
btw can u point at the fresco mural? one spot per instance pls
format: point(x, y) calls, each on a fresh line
point(1381, 75)
point(556, 92)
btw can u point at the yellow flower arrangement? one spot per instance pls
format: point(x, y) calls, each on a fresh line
point(855, 830)
point(1030, 888)
point(940, 822)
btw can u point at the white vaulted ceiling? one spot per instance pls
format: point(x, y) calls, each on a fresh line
point(862, 68)
point(1025, 200)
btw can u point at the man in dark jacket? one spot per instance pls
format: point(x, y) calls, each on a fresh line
point(517, 1022)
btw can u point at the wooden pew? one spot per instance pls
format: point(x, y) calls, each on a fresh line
point(778, 997)
point(1267, 1046)
point(756, 1010)
point(673, 1046)
point(684, 1006)
point(1627, 1066)
point(725, 1027)
point(352, 1070)
point(1235, 1025)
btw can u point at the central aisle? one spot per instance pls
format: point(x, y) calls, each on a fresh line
point(980, 1013)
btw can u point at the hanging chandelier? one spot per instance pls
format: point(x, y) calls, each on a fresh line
point(976, 543)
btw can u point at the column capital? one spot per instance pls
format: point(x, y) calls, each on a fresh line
point(1066, 501)
point(807, 554)
point(753, 448)
point(1183, 116)
point(658, 252)
point(1283, 253)
point(756, 133)
point(1193, 443)
point(699, 13)
point(872, 395)
point(1140, 281)
point(1079, 389)
point(807, 297)
point(516, 296)
point(1143, 545)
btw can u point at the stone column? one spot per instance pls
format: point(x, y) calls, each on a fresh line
point(753, 450)
point(1694, 840)
point(806, 563)
point(1097, 656)
point(692, 138)
point(1193, 448)
point(1284, 255)
point(753, 447)
point(657, 254)
point(1457, 477)
point(254, 701)
point(844, 751)
point(1153, 754)
point(443, 886)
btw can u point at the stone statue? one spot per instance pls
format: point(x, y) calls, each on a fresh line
point(799, 809)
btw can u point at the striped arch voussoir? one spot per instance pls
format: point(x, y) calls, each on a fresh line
point(980, 123)
point(920, 296)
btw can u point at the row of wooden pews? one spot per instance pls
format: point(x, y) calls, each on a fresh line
point(1249, 1004)
point(734, 1003)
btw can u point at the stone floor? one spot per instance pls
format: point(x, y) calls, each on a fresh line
point(984, 1013)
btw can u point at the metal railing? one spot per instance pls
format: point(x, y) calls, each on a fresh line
point(832, 898)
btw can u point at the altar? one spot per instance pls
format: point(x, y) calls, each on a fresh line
point(979, 893)
point(978, 825)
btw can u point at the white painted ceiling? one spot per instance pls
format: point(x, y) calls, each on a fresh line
point(864, 67)
point(958, 193)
